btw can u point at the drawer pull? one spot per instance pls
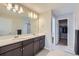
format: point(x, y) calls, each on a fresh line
point(21, 49)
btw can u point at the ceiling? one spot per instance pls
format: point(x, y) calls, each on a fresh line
point(57, 8)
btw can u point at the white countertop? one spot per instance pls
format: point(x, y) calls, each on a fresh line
point(6, 40)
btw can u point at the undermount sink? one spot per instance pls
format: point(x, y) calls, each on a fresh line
point(18, 38)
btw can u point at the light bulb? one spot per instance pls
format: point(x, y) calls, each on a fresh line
point(14, 10)
point(31, 14)
point(9, 6)
point(16, 7)
point(21, 10)
point(35, 16)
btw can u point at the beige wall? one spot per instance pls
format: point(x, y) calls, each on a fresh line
point(34, 26)
point(45, 27)
point(76, 19)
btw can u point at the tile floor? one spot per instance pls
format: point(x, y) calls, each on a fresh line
point(43, 52)
point(46, 52)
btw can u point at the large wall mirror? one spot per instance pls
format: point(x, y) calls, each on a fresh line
point(16, 17)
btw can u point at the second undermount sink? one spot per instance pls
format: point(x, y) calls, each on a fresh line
point(18, 38)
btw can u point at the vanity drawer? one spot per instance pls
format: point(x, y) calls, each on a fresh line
point(9, 47)
point(42, 37)
point(26, 42)
point(36, 39)
point(39, 38)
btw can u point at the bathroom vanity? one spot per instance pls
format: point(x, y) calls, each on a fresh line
point(18, 33)
point(22, 46)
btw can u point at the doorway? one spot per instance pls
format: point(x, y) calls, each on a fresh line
point(63, 30)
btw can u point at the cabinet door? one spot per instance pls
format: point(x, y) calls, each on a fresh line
point(10, 47)
point(15, 52)
point(28, 49)
point(42, 43)
point(36, 47)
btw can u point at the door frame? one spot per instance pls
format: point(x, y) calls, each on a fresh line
point(58, 30)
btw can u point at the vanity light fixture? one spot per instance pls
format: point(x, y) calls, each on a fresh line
point(35, 16)
point(9, 6)
point(32, 15)
point(21, 10)
point(14, 8)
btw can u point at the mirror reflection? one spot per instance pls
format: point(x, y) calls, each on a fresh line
point(15, 19)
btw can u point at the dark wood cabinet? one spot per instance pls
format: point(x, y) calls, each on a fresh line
point(15, 52)
point(36, 47)
point(39, 44)
point(10, 47)
point(42, 42)
point(77, 42)
point(28, 50)
point(11, 50)
point(28, 47)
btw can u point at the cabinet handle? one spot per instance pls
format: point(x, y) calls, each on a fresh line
point(21, 49)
